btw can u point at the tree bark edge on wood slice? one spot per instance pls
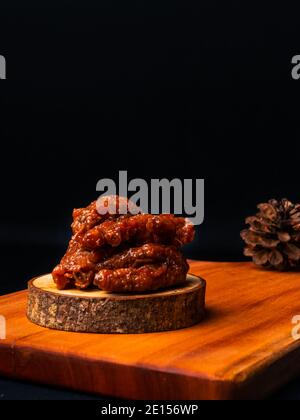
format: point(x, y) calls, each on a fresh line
point(96, 311)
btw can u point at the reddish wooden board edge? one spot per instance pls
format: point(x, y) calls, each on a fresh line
point(111, 379)
point(104, 377)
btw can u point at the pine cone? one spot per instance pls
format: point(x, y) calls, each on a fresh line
point(273, 238)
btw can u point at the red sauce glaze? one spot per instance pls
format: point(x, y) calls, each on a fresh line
point(124, 253)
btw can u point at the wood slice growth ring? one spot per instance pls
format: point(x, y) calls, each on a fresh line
point(102, 312)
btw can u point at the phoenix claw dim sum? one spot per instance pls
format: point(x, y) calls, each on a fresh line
point(124, 252)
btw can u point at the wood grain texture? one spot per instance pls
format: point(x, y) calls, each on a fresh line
point(242, 349)
point(97, 311)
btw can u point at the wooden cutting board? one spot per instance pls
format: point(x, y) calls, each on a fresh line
point(243, 349)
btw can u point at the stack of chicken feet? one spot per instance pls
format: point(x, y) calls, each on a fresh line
point(124, 253)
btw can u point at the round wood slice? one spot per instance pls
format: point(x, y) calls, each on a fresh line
point(103, 312)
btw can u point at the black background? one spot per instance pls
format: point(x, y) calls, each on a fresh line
point(161, 89)
point(179, 89)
